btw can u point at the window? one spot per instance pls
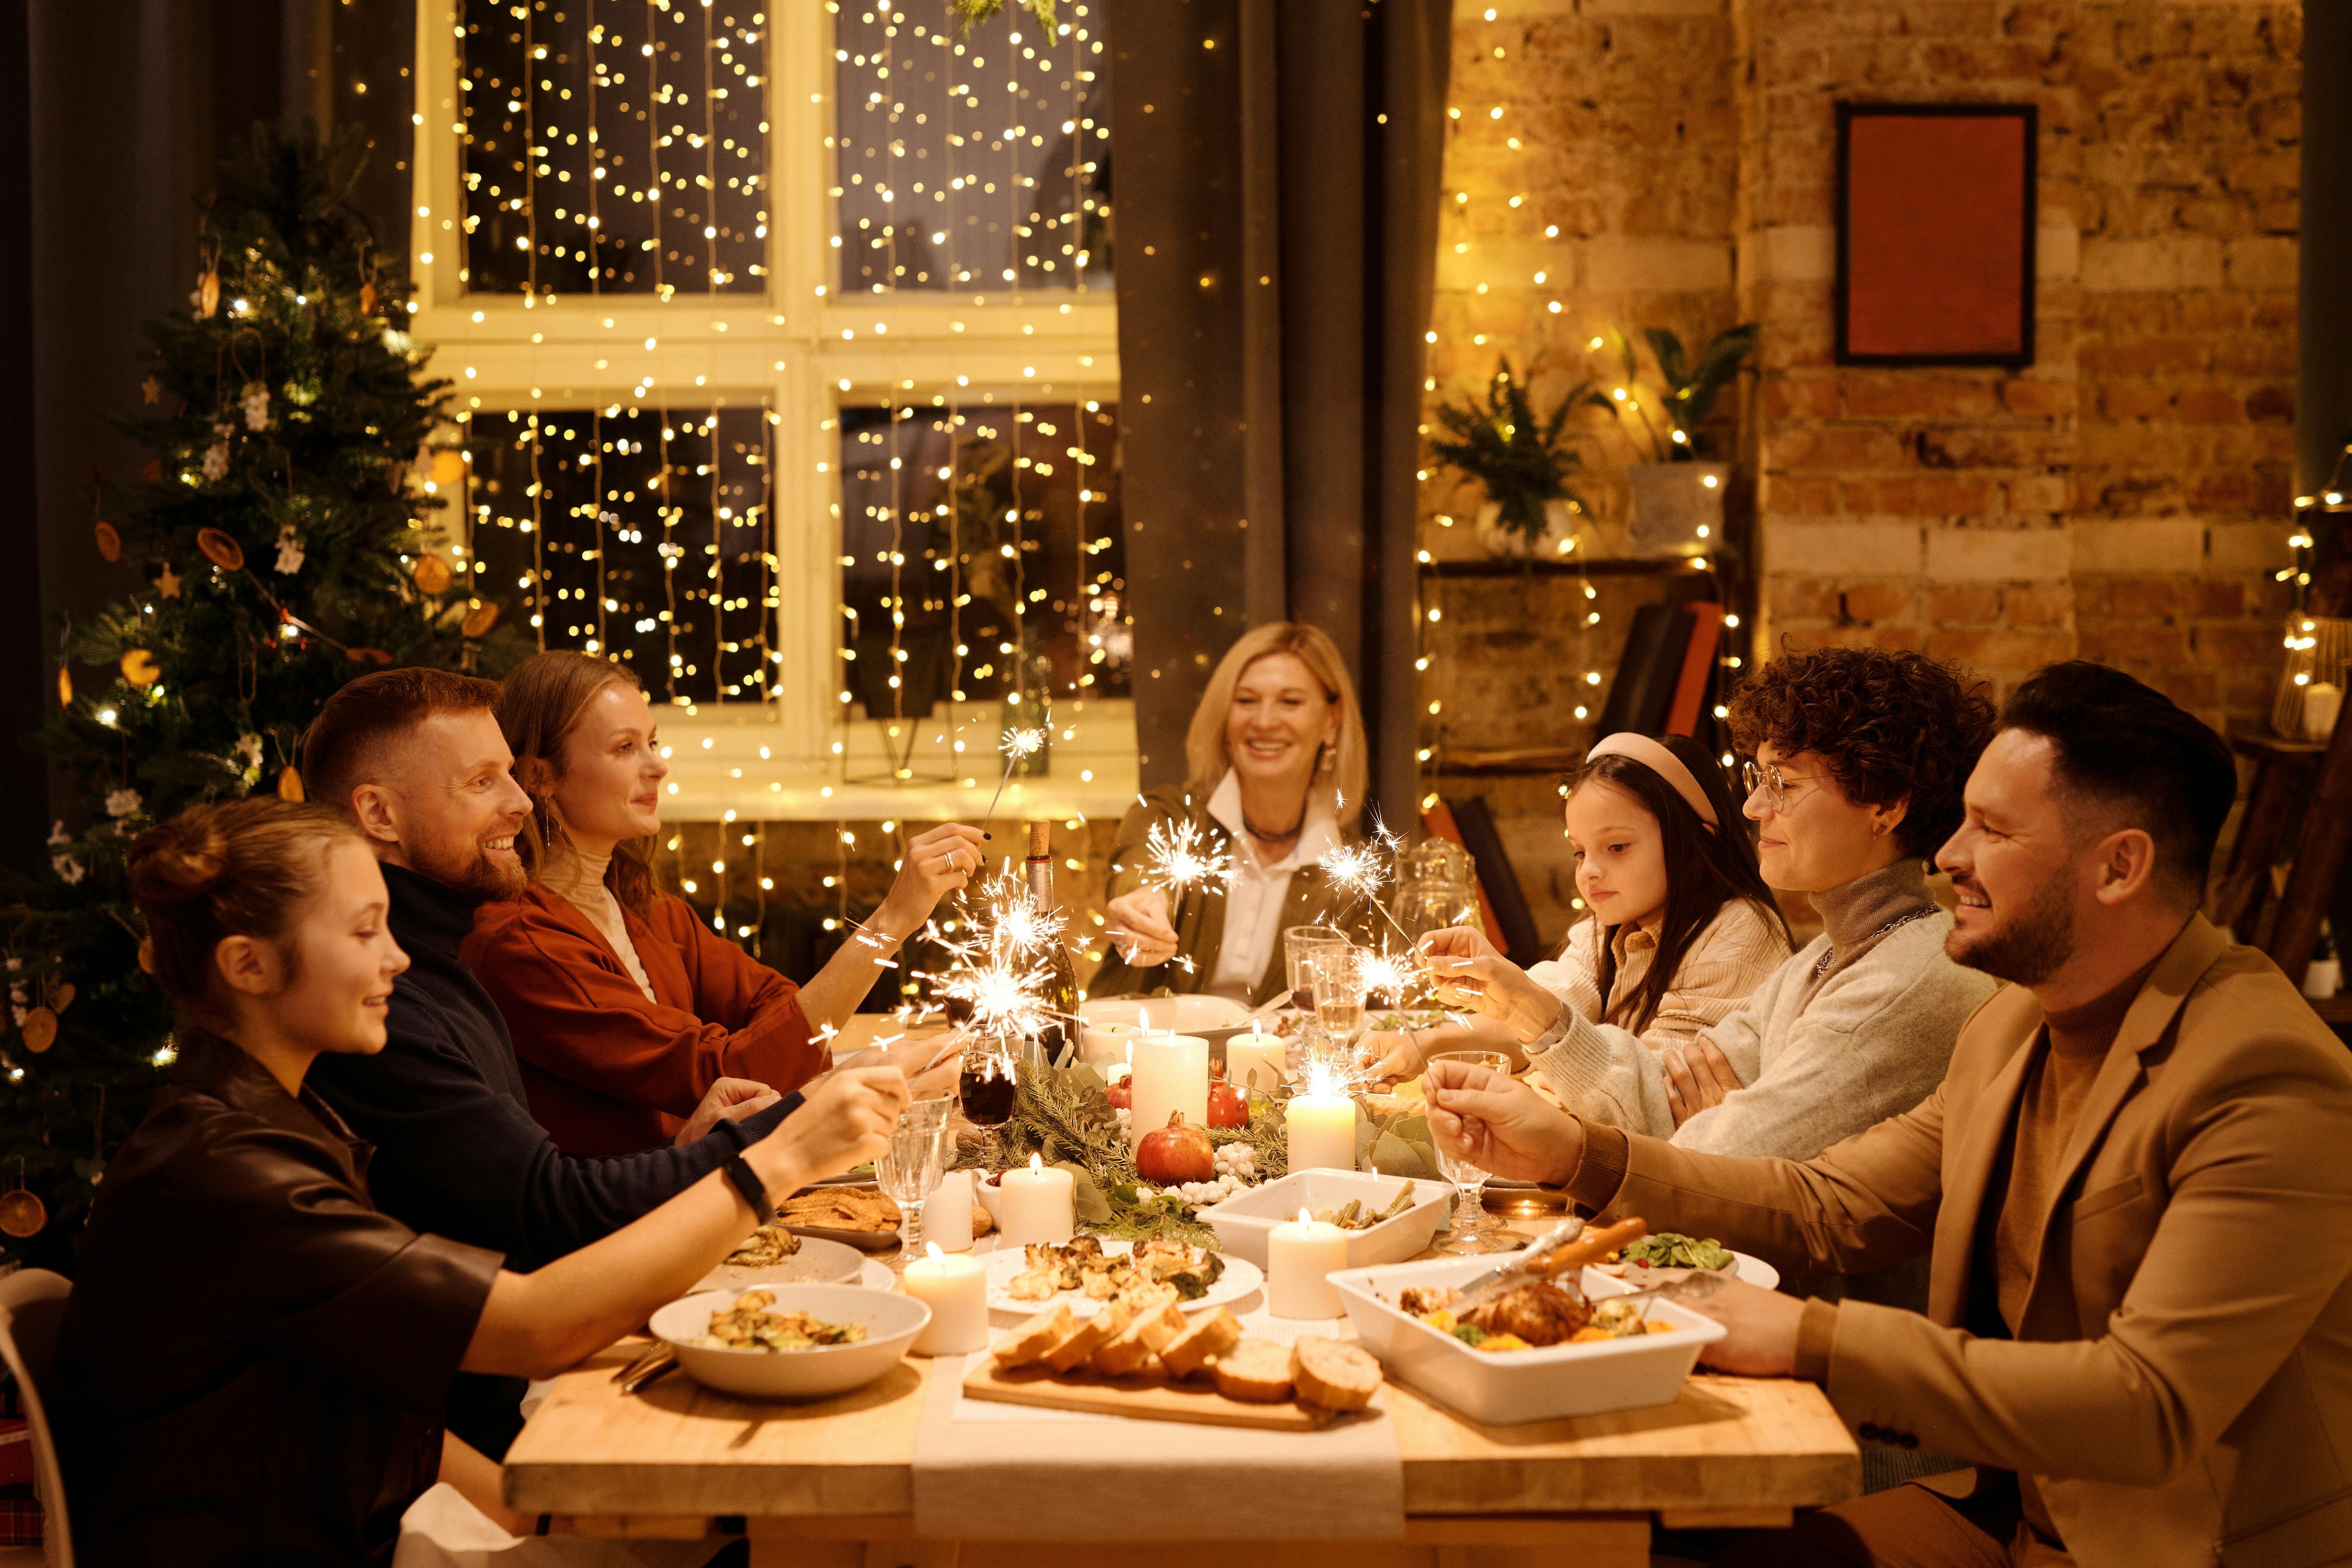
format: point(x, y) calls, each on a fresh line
point(720, 240)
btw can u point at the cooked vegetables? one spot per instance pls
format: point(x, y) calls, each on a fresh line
point(1671, 1249)
point(764, 1249)
point(748, 1325)
point(1354, 1215)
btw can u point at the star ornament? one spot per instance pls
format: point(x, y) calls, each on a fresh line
point(152, 390)
point(167, 584)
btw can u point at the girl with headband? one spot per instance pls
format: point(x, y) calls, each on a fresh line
point(1859, 760)
point(1682, 931)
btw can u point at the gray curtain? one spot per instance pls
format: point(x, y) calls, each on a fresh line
point(1275, 169)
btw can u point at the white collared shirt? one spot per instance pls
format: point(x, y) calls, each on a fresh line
point(1254, 899)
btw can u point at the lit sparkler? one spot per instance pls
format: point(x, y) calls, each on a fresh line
point(995, 977)
point(1016, 746)
point(1181, 857)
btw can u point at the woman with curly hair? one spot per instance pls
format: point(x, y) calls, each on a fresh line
point(1859, 758)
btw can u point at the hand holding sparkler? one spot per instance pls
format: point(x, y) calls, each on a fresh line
point(1471, 974)
point(1177, 856)
point(935, 864)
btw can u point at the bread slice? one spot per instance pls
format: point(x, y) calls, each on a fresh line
point(1031, 1340)
point(1133, 1346)
point(1080, 1345)
point(1203, 1337)
point(1258, 1371)
point(1332, 1373)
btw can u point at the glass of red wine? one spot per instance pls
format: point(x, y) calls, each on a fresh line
point(988, 1089)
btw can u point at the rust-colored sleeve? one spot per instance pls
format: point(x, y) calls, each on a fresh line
point(574, 1013)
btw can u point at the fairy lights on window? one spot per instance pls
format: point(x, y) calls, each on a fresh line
point(971, 163)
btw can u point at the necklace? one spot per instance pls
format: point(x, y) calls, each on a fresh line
point(1821, 965)
point(1263, 837)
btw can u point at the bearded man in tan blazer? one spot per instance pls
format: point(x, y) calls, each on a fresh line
point(2135, 1183)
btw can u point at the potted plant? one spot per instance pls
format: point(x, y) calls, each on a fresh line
point(1679, 495)
point(1531, 507)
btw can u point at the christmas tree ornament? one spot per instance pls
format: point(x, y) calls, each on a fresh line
point(65, 686)
point(151, 391)
point(432, 574)
point(59, 993)
point(140, 669)
point(40, 1030)
point(290, 786)
point(167, 583)
point(448, 468)
point(122, 803)
point(374, 656)
point(154, 472)
point(110, 540)
point(367, 299)
point(216, 456)
point(22, 1214)
point(221, 549)
point(256, 406)
point(479, 620)
point(289, 550)
point(207, 298)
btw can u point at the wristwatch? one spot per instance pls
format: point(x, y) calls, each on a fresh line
point(747, 1181)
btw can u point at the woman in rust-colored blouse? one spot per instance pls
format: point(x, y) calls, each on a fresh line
point(625, 1007)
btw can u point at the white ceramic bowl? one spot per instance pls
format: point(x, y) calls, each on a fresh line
point(1243, 1221)
point(891, 1322)
point(1514, 1386)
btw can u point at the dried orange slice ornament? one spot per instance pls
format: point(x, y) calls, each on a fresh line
point(221, 549)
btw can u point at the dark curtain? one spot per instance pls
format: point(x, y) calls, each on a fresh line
point(1277, 166)
point(2322, 405)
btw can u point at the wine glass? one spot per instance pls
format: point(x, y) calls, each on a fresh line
point(910, 1165)
point(1474, 1230)
point(1299, 943)
point(1335, 975)
point(988, 1090)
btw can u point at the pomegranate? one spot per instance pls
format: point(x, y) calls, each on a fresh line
point(1228, 1107)
point(1121, 1095)
point(1175, 1153)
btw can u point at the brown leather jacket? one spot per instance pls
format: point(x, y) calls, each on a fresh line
point(253, 1359)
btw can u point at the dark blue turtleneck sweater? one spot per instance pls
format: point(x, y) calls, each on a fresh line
point(456, 1151)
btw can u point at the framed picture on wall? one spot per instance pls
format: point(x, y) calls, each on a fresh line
point(1934, 234)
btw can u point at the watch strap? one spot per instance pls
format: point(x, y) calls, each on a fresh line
point(747, 1181)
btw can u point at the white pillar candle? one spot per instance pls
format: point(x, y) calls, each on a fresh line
point(1102, 1044)
point(1036, 1205)
point(1322, 1131)
point(2322, 701)
point(947, 1213)
point(1300, 1255)
point(956, 1290)
point(1264, 1054)
point(1170, 1074)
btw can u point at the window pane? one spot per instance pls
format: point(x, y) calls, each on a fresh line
point(671, 573)
point(972, 163)
point(1023, 548)
point(613, 146)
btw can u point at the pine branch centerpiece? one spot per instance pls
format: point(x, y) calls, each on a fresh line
point(286, 527)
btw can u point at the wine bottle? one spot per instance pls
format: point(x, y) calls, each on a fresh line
point(1060, 989)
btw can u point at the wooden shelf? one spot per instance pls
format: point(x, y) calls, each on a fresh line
point(1569, 566)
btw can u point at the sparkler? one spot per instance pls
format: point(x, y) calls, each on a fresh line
point(1015, 746)
point(1180, 857)
point(997, 977)
point(1362, 871)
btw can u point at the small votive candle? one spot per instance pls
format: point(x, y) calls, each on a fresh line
point(2322, 701)
point(1322, 1131)
point(1257, 1060)
point(947, 1213)
point(1300, 1257)
point(956, 1290)
point(1036, 1205)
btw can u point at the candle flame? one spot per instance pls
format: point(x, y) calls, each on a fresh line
point(1036, 1164)
point(1305, 1217)
point(933, 1248)
point(1142, 1022)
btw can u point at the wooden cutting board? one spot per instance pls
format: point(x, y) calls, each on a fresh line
point(1144, 1399)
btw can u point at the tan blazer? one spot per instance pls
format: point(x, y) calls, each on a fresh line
point(1199, 916)
point(2181, 1387)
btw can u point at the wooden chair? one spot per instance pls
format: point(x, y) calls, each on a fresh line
point(31, 1310)
point(2287, 774)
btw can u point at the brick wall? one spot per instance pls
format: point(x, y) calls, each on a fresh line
point(2123, 498)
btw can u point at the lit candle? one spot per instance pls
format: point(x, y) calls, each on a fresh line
point(1170, 1073)
point(1036, 1205)
point(956, 1290)
point(1102, 1043)
point(1257, 1060)
point(947, 1213)
point(2322, 701)
point(1321, 1123)
point(1300, 1255)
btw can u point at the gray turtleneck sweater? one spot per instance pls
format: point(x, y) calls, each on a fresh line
point(1855, 1027)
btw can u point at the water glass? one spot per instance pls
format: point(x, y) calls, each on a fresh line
point(1475, 1230)
point(1335, 977)
point(909, 1167)
point(1299, 943)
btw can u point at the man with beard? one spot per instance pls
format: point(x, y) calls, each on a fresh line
point(417, 758)
point(2131, 1183)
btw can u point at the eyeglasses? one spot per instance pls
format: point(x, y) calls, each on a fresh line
point(1775, 783)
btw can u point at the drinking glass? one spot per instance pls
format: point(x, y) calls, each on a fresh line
point(1475, 1230)
point(988, 1089)
point(910, 1165)
point(1299, 944)
point(1335, 977)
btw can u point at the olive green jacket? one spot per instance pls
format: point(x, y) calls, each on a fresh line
point(1199, 913)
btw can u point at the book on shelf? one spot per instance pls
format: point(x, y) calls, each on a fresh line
point(1661, 676)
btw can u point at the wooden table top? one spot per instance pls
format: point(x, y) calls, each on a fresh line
point(678, 1448)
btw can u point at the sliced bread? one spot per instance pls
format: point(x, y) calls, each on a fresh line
point(1203, 1337)
point(1332, 1373)
point(1031, 1340)
point(1258, 1371)
point(1128, 1352)
point(1079, 1346)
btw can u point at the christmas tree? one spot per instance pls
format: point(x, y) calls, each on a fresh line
point(287, 532)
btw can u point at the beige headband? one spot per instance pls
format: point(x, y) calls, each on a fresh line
point(1661, 762)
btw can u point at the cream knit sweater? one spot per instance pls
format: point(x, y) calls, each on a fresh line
point(1820, 1060)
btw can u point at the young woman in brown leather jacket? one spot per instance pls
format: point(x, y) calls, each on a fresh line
point(255, 1358)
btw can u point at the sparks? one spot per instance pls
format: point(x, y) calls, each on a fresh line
point(995, 978)
point(1180, 857)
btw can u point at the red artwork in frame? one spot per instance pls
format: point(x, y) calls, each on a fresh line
point(1936, 215)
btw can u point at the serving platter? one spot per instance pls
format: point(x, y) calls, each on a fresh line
point(1240, 1278)
point(1155, 1398)
point(818, 1262)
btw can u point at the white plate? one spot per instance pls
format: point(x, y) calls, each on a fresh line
point(1745, 1268)
point(891, 1322)
point(1241, 1276)
point(817, 1262)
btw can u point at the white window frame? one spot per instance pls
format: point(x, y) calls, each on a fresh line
point(792, 346)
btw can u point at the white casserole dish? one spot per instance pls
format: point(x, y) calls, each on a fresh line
point(1506, 1387)
point(892, 1321)
point(1243, 1221)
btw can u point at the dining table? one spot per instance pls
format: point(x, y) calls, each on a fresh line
point(831, 1484)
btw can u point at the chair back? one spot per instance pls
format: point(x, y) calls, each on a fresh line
point(32, 1311)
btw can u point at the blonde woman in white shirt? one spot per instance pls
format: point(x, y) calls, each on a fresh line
point(1277, 761)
